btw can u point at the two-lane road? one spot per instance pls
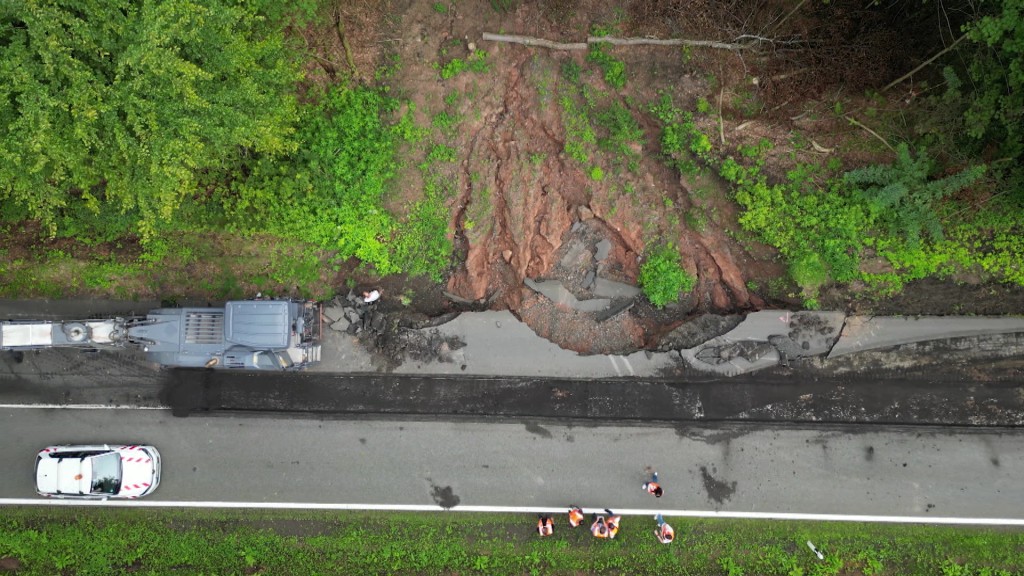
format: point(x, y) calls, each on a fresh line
point(911, 472)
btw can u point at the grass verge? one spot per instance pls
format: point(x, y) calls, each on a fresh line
point(122, 541)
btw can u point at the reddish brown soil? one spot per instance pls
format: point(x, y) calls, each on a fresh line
point(518, 193)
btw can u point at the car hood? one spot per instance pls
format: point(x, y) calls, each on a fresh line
point(140, 471)
point(64, 475)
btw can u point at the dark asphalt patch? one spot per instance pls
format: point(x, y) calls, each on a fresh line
point(853, 399)
point(717, 490)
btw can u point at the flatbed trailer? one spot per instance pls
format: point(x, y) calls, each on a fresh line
point(249, 334)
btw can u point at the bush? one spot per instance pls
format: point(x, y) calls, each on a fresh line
point(614, 70)
point(662, 278)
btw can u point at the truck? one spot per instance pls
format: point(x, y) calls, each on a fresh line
point(261, 334)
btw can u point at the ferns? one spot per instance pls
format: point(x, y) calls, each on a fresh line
point(901, 197)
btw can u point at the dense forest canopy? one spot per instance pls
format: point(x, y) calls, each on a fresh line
point(127, 102)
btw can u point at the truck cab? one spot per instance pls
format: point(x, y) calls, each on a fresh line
point(247, 334)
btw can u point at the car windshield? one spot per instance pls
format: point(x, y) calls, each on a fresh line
point(106, 474)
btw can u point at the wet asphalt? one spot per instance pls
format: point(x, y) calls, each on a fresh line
point(985, 392)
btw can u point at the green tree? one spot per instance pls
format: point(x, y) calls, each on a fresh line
point(996, 111)
point(124, 103)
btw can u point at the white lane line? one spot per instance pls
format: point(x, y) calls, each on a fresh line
point(628, 366)
point(614, 364)
point(82, 407)
point(523, 509)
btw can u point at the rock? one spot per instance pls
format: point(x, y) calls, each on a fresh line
point(340, 325)
point(471, 46)
point(507, 255)
point(585, 212)
point(352, 316)
point(602, 249)
point(334, 313)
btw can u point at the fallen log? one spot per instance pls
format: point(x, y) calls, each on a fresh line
point(531, 41)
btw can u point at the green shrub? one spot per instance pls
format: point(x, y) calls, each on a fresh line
point(571, 71)
point(614, 70)
point(622, 130)
point(452, 68)
point(578, 132)
point(662, 278)
point(809, 272)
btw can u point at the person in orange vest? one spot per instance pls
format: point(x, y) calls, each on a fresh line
point(575, 516)
point(599, 529)
point(665, 533)
point(545, 526)
point(612, 523)
point(652, 486)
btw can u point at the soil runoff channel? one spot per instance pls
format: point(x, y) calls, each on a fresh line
point(920, 474)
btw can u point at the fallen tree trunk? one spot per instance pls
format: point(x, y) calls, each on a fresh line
point(669, 42)
point(531, 41)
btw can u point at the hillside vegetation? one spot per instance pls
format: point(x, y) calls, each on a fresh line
point(214, 148)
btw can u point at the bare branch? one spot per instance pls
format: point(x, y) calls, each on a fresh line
point(530, 41)
point(923, 64)
point(870, 131)
point(669, 42)
point(786, 17)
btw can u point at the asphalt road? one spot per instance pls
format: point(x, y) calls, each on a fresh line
point(879, 470)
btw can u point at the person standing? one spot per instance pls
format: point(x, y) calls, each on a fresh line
point(652, 486)
point(575, 516)
point(664, 532)
point(598, 528)
point(371, 296)
point(612, 523)
point(545, 526)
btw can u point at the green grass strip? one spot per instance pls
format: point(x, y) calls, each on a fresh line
point(149, 541)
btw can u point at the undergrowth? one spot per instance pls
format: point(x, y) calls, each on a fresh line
point(826, 223)
point(45, 541)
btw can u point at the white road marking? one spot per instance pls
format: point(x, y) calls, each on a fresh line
point(628, 366)
point(614, 364)
point(524, 510)
point(83, 407)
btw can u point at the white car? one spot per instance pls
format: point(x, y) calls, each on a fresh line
point(97, 472)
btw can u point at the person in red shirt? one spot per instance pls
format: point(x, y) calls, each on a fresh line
point(652, 486)
point(664, 532)
point(612, 523)
point(575, 516)
point(545, 526)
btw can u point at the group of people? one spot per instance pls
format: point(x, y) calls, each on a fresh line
point(608, 527)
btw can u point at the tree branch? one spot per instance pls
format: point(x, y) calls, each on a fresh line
point(344, 43)
point(870, 131)
point(923, 64)
point(531, 41)
point(786, 17)
point(669, 42)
